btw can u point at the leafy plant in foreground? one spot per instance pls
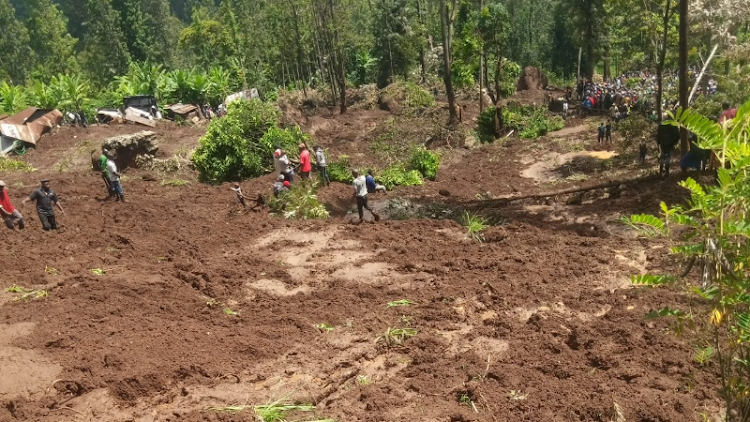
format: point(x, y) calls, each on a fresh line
point(475, 225)
point(715, 232)
point(402, 302)
point(398, 175)
point(301, 203)
point(339, 170)
point(424, 161)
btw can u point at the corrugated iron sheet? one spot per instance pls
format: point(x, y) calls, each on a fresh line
point(30, 124)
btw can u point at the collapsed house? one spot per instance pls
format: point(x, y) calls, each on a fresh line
point(28, 126)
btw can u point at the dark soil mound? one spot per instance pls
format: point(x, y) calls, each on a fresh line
point(532, 79)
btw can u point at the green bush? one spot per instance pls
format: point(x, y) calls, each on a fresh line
point(301, 203)
point(288, 139)
point(339, 170)
point(424, 161)
point(232, 148)
point(709, 106)
point(486, 125)
point(417, 97)
point(530, 122)
point(397, 175)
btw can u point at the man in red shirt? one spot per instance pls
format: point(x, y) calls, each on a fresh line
point(9, 213)
point(728, 113)
point(304, 162)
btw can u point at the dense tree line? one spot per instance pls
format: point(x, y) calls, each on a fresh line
point(340, 43)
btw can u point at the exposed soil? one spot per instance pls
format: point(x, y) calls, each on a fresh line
point(203, 304)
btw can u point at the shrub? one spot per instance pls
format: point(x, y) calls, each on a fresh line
point(232, 149)
point(301, 202)
point(339, 170)
point(713, 232)
point(288, 139)
point(530, 122)
point(486, 125)
point(424, 161)
point(413, 95)
point(397, 175)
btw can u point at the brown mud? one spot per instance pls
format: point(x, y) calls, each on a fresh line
point(202, 304)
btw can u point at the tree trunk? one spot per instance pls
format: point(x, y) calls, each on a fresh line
point(683, 69)
point(662, 58)
point(590, 49)
point(422, 64)
point(498, 75)
point(447, 78)
point(607, 73)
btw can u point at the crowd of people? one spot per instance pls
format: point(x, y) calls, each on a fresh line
point(287, 168)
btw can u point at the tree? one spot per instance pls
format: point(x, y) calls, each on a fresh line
point(588, 16)
point(494, 30)
point(105, 53)
point(50, 41)
point(206, 39)
point(446, 25)
point(684, 146)
point(15, 50)
point(395, 44)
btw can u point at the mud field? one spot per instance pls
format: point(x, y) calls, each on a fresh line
point(201, 305)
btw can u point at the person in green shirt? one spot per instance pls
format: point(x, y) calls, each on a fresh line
point(103, 169)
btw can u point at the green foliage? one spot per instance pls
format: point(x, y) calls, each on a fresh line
point(6, 164)
point(424, 161)
point(413, 95)
point(233, 148)
point(300, 202)
point(714, 230)
point(53, 46)
point(288, 139)
point(475, 225)
point(142, 79)
point(340, 170)
point(15, 51)
point(539, 123)
point(395, 48)
point(12, 99)
point(486, 125)
point(105, 53)
point(72, 92)
point(398, 175)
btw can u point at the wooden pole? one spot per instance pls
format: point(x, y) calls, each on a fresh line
point(683, 70)
point(703, 71)
point(580, 51)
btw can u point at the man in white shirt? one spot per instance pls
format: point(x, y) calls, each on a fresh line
point(286, 168)
point(360, 192)
point(114, 179)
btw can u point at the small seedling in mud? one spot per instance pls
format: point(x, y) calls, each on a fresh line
point(405, 319)
point(51, 271)
point(98, 271)
point(396, 336)
point(464, 399)
point(703, 355)
point(474, 226)
point(363, 380)
point(323, 327)
point(518, 395)
point(230, 312)
point(16, 289)
point(176, 182)
point(402, 302)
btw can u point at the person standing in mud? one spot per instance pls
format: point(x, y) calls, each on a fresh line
point(114, 179)
point(103, 170)
point(9, 213)
point(304, 162)
point(360, 193)
point(608, 132)
point(287, 170)
point(46, 199)
point(601, 133)
point(320, 160)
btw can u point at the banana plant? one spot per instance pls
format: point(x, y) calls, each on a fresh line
point(73, 91)
point(12, 98)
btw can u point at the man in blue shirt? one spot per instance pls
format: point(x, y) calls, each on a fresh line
point(373, 187)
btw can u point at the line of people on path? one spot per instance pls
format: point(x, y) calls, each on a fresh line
point(46, 201)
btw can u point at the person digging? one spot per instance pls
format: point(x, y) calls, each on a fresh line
point(46, 199)
point(9, 213)
point(103, 169)
point(360, 193)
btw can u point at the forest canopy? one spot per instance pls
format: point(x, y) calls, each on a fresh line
point(297, 44)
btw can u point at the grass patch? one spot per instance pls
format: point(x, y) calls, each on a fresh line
point(176, 182)
point(402, 302)
point(363, 380)
point(98, 271)
point(396, 336)
point(213, 303)
point(6, 164)
point(277, 411)
point(474, 225)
